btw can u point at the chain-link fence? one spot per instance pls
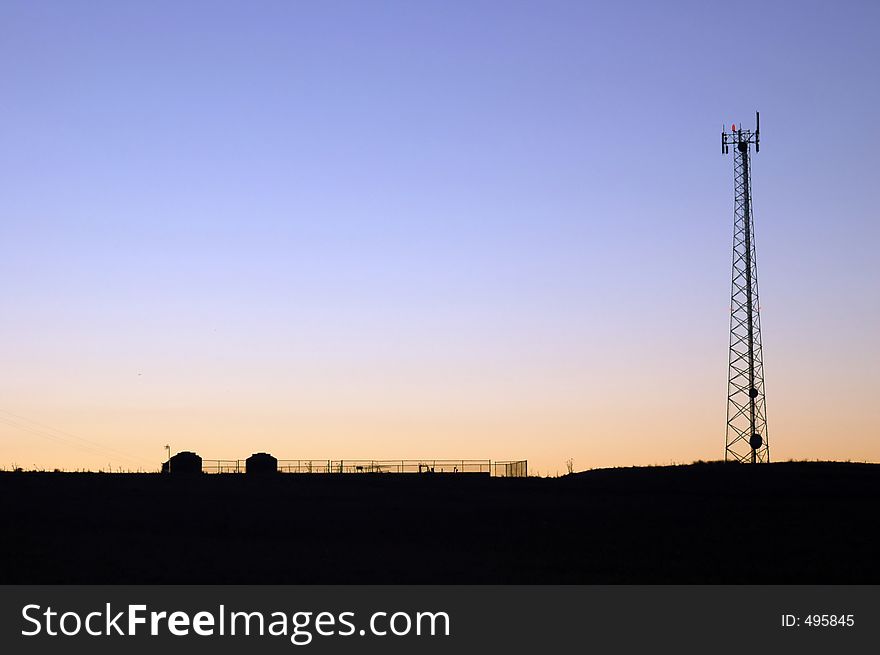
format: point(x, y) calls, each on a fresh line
point(505, 469)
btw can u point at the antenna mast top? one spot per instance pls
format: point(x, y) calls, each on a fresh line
point(742, 138)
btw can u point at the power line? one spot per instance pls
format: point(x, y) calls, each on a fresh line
point(66, 438)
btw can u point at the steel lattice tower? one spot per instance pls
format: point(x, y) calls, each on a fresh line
point(746, 439)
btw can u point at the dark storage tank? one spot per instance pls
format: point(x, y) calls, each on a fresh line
point(261, 464)
point(183, 463)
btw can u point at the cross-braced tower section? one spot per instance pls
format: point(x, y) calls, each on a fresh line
point(746, 439)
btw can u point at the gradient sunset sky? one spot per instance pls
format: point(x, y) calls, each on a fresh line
point(430, 229)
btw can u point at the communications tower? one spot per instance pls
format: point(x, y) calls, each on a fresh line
point(746, 439)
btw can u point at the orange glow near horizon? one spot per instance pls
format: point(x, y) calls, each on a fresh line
point(598, 418)
point(450, 231)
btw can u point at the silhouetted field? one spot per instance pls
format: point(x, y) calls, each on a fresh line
point(778, 523)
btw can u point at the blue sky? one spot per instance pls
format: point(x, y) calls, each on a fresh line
point(472, 229)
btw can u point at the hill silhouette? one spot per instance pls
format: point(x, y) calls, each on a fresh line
point(721, 523)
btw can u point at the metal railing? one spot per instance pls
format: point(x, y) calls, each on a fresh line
point(223, 466)
point(506, 469)
point(385, 466)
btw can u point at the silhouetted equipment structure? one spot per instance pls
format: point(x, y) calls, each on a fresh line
point(261, 464)
point(265, 463)
point(513, 469)
point(746, 438)
point(183, 463)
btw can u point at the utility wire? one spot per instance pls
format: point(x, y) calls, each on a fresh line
point(68, 438)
